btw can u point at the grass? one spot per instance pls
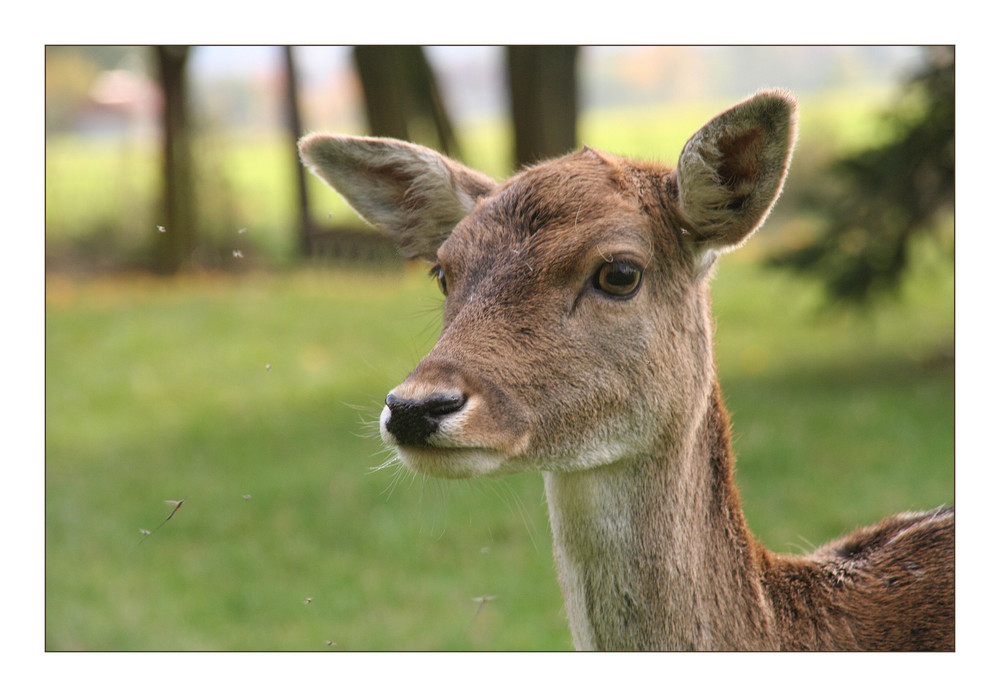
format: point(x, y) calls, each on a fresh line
point(838, 418)
point(213, 389)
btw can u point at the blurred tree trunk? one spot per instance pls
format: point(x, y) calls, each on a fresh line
point(401, 95)
point(543, 99)
point(176, 239)
point(295, 131)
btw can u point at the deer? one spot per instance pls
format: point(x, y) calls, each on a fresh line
point(577, 341)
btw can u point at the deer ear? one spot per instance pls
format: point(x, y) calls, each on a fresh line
point(411, 192)
point(731, 171)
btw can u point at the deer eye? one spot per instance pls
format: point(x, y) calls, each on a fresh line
point(618, 278)
point(438, 274)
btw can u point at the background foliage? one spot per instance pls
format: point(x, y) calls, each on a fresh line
point(877, 201)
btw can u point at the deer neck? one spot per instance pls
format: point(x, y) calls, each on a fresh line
point(655, 554)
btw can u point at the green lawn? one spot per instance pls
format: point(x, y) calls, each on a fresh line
point(254, 397)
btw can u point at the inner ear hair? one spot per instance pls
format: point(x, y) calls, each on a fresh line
point(732, 170)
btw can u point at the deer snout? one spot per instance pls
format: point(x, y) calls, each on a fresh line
point(412, 421)
point(448, 420)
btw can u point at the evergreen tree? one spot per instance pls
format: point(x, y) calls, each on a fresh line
point(877, 202)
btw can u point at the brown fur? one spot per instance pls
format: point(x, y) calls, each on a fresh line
point(615, 399)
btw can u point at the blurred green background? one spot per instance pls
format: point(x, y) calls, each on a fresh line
point(249, 380)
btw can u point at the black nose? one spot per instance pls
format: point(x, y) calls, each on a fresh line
point(413, 421)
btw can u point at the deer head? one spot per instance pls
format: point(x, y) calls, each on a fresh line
point(576, 319)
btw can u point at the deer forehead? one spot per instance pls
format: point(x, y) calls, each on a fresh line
point(556, 219)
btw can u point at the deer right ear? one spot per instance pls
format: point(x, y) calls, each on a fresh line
point(731, 171)
point(413, 193)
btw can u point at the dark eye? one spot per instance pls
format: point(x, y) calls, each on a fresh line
point(618, 278)
point(438, 274)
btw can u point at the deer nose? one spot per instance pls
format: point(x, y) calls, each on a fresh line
point(413, 421)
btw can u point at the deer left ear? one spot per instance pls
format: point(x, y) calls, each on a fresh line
point(731, 171)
